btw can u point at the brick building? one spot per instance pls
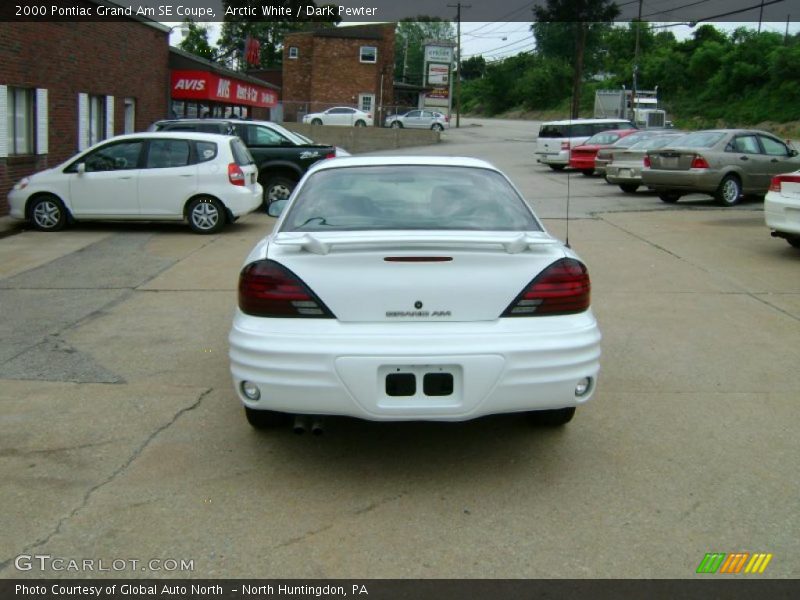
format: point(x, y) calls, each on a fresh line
point(65, 86)
point(341, 66)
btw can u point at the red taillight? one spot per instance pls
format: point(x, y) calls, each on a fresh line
point(775, 183)
point(235, 174)
point(565, 145)
point(446, 119)
point(268, 289)
point(330, 155)
point(646, 161)
point(563, 288)
point(698, 162)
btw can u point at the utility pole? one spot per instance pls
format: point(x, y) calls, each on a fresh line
point(458, 62)
point(636, 63)
point(760, 15)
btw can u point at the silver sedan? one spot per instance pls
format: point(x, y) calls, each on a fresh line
point(419, 119)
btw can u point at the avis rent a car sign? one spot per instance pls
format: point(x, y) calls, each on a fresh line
point(203, 85)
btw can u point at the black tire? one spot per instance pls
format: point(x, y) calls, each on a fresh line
point(552, 418)
point(729, 191)
point(277, 188)
point(396, 125)
point(360, 123)
point(669, 197)
point(316, 122)
point(794, 241)
point(47, 213)
point(587, 172)
point(437, 127)
point(205, 215)
point(265, 419)
point(629, 188)
point(557, 167)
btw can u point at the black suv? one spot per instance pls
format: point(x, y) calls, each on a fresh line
point(282, 156)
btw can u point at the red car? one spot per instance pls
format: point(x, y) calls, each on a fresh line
point(582, 157)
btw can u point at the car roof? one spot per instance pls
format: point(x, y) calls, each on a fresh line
point(381, 161)
point(580, 121)
point(185, 135)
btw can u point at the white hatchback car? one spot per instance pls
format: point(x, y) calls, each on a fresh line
point(206, 179)
point(782, 207)
point(411, 288)
point(340, 115)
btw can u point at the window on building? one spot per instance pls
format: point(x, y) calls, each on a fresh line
point(130, 115)
point(369, 54)
point(20, 120)
point(97, 119)
point(294, 52)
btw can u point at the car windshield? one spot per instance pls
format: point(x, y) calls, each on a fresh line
point(408, 197)
point(701, 139)
point(657, 142)
point(602, 139)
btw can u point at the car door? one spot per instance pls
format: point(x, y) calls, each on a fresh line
point(107, 183)
point(750, 162)
point(412, 119)
point(168, 179)
point(779, 158)
point(427, 119)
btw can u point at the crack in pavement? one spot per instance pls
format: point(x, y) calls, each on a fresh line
point(745, 292)
point(117, 472)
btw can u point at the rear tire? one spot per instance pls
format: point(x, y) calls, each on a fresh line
point(629, 188)
point(437, 127)
point(557, 167)
point(206, 215)
point(587, 172)
point(794, 241)
point(360, 124)
point(47, 213)
point(669, 197)
point(552, 418)
point(277, 188)
point(729, 191)
point(265, 419)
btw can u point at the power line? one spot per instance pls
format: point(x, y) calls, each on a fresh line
point(674, 8)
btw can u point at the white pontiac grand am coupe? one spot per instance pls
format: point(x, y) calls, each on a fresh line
point(411, 288)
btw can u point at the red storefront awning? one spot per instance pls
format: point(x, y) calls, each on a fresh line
point(204, 85)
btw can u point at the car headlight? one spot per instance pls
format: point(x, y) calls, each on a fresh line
point(22, 184)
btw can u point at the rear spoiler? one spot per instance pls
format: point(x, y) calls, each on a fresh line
point(512, 244)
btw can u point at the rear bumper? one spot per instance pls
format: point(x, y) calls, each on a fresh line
point(624, 174)
point(333, 368)
point(244, 200)
point(691, 180)
point(547, 158)
point(782, 213)
point(582, 162)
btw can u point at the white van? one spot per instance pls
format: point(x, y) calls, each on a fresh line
point(557, 138)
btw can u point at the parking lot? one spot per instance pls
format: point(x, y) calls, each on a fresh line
point(121, 436)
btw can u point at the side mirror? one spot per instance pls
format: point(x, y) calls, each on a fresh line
point(792, 152)
point(276, 208)
point(81, 168)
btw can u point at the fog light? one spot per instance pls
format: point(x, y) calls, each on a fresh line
point(250, 390)
point(583, 386)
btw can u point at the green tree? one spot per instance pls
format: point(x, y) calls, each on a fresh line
point(270, 34)
point(473, 68)
point(196, 41)
point(409, 45)
point(579, 21)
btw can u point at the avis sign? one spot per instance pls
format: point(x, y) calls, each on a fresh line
point(203, 85)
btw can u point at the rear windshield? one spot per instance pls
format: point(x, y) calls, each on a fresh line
point(241, 154)
point(579, 129)
point(701, 139)
point(409, 197)
point(658, 142)
point(604, 138)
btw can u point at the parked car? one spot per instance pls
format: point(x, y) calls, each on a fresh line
point(411, 288)
point(419, 119)
point(340, 115)
point(282, 156)
point(204, 178)
point(782, 207)
point(625, 169)
point(606, 155)
point(724, 163)
point(582, 157)
point(557, 138)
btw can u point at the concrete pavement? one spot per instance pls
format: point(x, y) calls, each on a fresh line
point(121, 438)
